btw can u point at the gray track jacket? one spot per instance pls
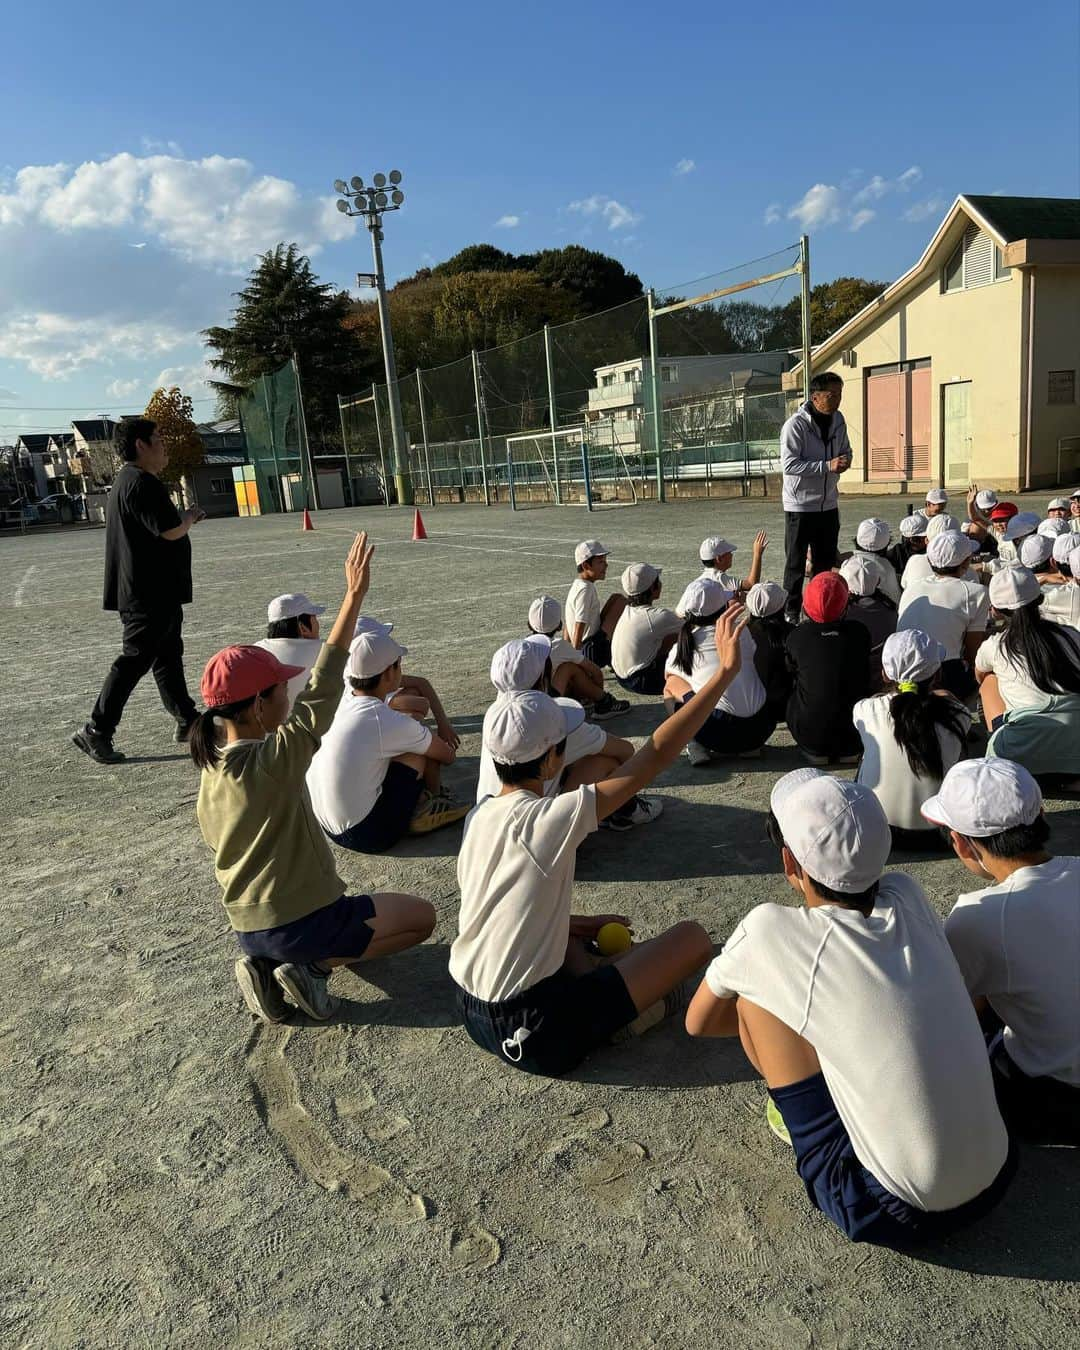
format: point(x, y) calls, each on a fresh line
point(808, 485)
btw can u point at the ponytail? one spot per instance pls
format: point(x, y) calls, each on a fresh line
point(917, 713)
point(1044, 648)
point(685, 651)
point(203, 741)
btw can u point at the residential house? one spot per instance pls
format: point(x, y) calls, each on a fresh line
point(36, 468)
point(211, 485)
point(95, 443)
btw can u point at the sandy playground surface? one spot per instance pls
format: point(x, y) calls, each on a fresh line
point(177, 1176)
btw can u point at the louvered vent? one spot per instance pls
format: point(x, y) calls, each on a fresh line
point(978, 258)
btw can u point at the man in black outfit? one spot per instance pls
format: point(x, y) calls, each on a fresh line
point(148, 580)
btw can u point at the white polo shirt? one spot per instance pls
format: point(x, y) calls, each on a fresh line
point(947, 608)
point(885, 769)
point(1018, 690)
point(639, 635)
point(346, 776)
point(1018, 945)
point(745, 695)
point(516, 875)
point(582, 606)
point(294, 652)
point(882, 1002)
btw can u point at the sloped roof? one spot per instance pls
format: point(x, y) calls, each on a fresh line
point(215, 457)
point(1012, 218)
point(37, 442)
point(96, 429)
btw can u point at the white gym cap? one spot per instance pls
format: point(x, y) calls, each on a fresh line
point(365, 624)
point(986, 500)
point(939, 524)
point(524, 724)
point(1052, 528)
point(835, 830)
point(911, 655)
point(949, 549)
point(372, 653)
point(1036, 549)
point(861, 575)
point(980, 797)
point(703, 596)
point(1058, 504)
point(714, 547)
point(520, 663)
point(915, 524)
point(1024, 522)
point(873, 534)
point(589, 548)
point(1013, 587)
point(1075, 494)
point(937, 496)
point(639, 577)
point(1064, 545)
point(766, 598)
point(291, 606)
point(545, 614)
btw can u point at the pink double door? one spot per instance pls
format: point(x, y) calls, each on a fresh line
point(898, 421)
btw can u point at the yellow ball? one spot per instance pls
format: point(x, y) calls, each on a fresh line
point(612, 939)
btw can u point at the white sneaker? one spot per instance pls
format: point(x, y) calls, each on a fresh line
point(645, 810)
point(696, 753)
point(306, 987)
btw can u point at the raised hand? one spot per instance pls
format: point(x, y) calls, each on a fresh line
point(761, 542)
point(358, 566)
point(728, 627)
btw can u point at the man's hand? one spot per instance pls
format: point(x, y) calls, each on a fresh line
point(193, 515)
point(358, 566)
point(728, 628)
point(761, 543)
point(839, 464)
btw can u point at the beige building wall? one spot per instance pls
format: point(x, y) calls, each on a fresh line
point(1055, 346)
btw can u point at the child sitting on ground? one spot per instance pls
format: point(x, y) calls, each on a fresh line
point(717, 555)
point(377, 776)
point(912, 540)
point(293, 921)
point(768, 626)
point(1061, 594)
point(528, 989)
point(829, 659)
point(911, 735)
point(644, 633)
point(872, 544)
point(742, 720)
point(852, 1009)
point(589, 625)
point(572, 675)
point(870, 606)
point(951, 605)
point(1017, 943)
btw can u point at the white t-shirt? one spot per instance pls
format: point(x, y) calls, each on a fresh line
point(1061, 603)
point(582, 606)
point(745, 695)
point(562, 651)
point(946, 608)
point(639, 635)
point(728, 580)
point(885, 572)
point(294, 652)
point(587, 739)
point(1014, 679)
point(916, 568)
point(346, 776)
point(882, 1002)
point(516, 875)
point(885, 769)
point(1018, 945)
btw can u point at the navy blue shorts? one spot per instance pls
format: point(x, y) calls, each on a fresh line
point(340, 929)
point(726, 734)
point(649, 679)
point(845, 1192)
point(597, 649)
point(552, 1026)
point(389, 818)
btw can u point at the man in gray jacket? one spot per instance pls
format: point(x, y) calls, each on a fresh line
point(814, 451)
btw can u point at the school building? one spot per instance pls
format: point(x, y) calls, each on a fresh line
point(965, 369)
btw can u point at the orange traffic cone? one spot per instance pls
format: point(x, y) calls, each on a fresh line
point(307, 520)
point(418, 531)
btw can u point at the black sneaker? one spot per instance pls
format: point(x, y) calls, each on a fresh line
point(98, 747)
point(608, 707)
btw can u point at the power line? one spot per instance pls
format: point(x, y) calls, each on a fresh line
point(79, 407)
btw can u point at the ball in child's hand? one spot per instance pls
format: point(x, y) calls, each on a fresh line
point(612, 939)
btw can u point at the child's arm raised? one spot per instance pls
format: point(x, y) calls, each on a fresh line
point(357, 581)
point(666, 743)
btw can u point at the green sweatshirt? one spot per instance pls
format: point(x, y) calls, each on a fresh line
point(270, 854)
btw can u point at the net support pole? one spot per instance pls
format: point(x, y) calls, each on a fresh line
point(273, 444)
point(654, 386)
point(586, 477)
point(307, 460)
point(804, 280)
point(510, 476)
point(553, 416)
point(480, 425)
point(345, 448)
point(382, 452)
point(424, 437)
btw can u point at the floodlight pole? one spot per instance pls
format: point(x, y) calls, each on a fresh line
point(402, 476)
point(804, 280)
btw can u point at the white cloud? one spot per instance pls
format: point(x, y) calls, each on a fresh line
point(854, 203)
point(909, 178)
point(123, 390)
point(925, 209)
point(818, 206)
point(508, 222)
point(190, 378)
point(684, 166)
point(861, 218)
point(6, 394)
point(613, 213)
point(773, 213)
point(57, 345)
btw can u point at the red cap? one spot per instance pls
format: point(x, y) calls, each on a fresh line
point(1004, 511)
point(826, 597)
point(242, 672)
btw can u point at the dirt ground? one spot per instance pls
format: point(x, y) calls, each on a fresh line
point(178, 1176)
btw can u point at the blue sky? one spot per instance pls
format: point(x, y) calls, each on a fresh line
point(153, 156)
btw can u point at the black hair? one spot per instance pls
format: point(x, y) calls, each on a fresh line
point(128, 431)
point(521, 773)
point(289, 628)
point(862, 900)
point(956, 571)
point(203, 738)
point(828, 379)
point(1044, 648)
point(684, 646)
point(916, 716)
point(369, 683)
point(643, 598)
point(1016, 841)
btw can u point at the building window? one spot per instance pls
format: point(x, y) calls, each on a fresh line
point(220, 487)
point(606, 380)
point(1061, 386)
point(976, 261)
point(632, 376)
point(669, 374)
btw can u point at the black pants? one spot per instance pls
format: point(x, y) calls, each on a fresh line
point(152, 642)
point(817, 531)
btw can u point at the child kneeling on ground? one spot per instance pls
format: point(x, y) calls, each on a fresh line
point(853, 1010)
point(1017, 943)
point(528, 990)
point(293, 921)
point(644, 633)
